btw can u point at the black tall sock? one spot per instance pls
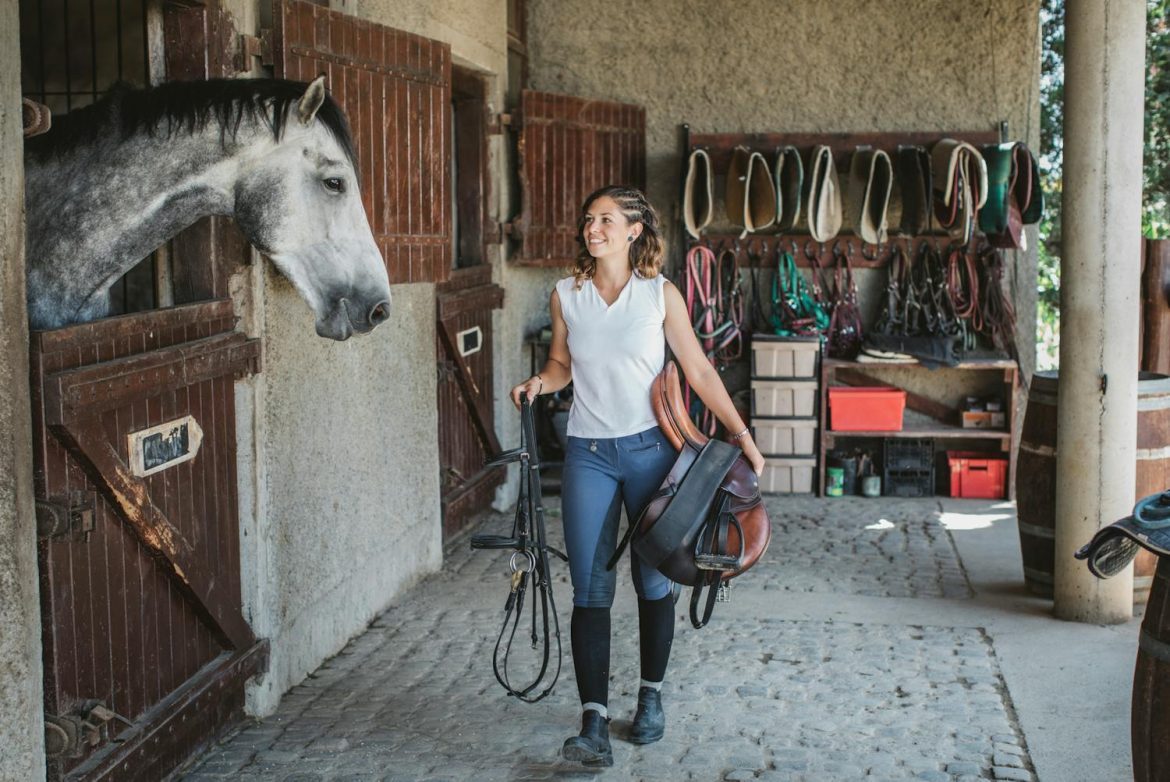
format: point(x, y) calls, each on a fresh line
point(590, 636)
point(655, 635)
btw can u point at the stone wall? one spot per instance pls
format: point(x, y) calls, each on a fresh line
point(22, 754)
point(759, 66)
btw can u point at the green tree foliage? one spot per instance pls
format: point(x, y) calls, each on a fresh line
point(1156, 163)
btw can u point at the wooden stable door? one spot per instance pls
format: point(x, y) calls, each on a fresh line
point(464, 319)
point(146, 649)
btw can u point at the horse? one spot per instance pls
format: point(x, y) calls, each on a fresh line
point(115, 180)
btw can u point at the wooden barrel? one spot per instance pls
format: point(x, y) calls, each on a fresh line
point(1036, 474)
point(1036, 470)
point(1149, 717)
point(1153, 463)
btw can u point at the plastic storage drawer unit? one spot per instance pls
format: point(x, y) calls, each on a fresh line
point(787, 476)
point(785, 437)
point(866, 409)
point(784, 398)
point(785, 357)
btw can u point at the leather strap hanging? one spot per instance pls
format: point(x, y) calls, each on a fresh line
point(844, 334)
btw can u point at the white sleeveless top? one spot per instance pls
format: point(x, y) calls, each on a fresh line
point(616, 352)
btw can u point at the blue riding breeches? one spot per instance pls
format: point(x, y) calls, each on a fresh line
point(599, 476)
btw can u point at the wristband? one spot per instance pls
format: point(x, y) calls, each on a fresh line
point(741, 435)
point(541, 379)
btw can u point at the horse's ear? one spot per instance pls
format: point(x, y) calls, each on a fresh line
point(311, 101)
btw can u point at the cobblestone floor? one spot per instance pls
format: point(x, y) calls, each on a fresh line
point(413, 698)
point(858, 546)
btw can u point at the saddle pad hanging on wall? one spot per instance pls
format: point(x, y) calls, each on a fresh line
point(822, 196)
point(911, 212)
point(867, 198)
point(698, 193)
point(960, 187)
point(788, 174)
point(751, 193)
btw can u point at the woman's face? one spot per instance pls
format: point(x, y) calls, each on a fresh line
point(607, 231)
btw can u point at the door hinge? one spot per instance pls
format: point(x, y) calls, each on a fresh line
point(74, 518)
point(497, 122)
point(254, 46)
point(70, 735)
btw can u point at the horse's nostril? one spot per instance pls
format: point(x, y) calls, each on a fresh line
point(379, 313)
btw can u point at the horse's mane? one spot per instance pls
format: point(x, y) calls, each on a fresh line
point(185, 107)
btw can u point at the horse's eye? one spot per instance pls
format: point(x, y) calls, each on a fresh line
point(335, 185)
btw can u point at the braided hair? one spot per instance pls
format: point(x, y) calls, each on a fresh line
point(647, 251)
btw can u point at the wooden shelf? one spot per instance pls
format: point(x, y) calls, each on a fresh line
point(842, 372)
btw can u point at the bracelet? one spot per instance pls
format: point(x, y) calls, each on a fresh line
point(741, 435)
point(541, 379)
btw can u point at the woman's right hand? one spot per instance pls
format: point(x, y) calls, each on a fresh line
point(530, 387)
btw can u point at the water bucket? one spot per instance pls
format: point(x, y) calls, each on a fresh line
point(834, 481)
point(871, 485)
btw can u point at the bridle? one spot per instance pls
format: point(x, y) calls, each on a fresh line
point(528, 565)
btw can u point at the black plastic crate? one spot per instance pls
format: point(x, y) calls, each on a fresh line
point(899, 454)
point(908, 483)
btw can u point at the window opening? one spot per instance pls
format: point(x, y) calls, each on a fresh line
point(72, 53)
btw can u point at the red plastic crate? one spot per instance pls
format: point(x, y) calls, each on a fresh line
point(977, 475)
point(865, 409)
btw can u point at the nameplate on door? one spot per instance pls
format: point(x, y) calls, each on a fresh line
point(469, 341)
point(166, 445)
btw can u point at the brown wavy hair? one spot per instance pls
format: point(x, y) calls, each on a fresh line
point(646, 252)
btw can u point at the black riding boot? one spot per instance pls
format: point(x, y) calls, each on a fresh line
point(649, 721)
point(591, 747)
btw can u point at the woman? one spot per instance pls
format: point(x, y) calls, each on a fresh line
point(611, 322)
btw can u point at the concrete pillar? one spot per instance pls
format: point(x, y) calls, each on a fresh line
point(1099, 273)
point(22, 732)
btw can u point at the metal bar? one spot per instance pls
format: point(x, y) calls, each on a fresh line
point(41, 45)
point(68, 75)
point(93, 49)
point(118, 23)
point(146, 72)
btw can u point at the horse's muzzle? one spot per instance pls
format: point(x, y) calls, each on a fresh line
point(349, 317)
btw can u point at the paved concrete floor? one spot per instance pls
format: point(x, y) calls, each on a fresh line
point(878, 640)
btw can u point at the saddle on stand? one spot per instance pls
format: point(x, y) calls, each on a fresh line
point(529, 568)
point(706, 523)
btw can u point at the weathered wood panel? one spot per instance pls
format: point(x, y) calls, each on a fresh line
point(467, 432)
point(141, 586)
point(569, 147)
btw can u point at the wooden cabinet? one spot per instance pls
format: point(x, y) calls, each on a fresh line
point(932, 416)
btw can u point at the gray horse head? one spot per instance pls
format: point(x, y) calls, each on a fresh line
point(119, 178)
point(298, 202)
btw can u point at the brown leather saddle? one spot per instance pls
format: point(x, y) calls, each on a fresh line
point(707, 522)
